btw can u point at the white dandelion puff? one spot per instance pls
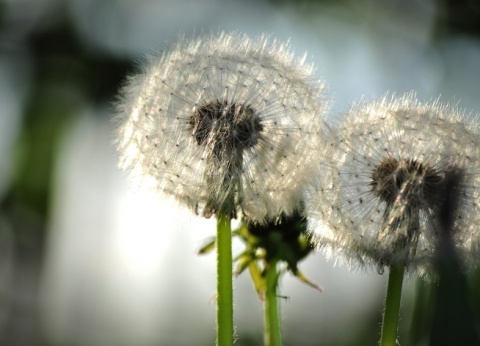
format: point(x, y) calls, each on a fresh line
point(224, 123)
point(380, 190)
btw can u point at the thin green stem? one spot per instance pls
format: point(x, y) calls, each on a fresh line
point(392, 305)
point(224, 282)
point(421, 320)
point(273, 334)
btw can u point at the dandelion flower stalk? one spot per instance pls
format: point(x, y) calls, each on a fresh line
point(272, 324)
point(392, 305)
point(225, 328)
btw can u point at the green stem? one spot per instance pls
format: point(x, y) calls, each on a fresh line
point(421, 320)
point(273, 334)
point(224, 282)
point(392, 305)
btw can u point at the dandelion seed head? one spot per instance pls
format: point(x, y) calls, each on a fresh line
point(382, 184)
point(224, 123)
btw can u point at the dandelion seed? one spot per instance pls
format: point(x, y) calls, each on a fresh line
point(381, 188)
point(224, 123)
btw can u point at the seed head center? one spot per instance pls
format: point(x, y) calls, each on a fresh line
point(225, 126)
point(411, 181)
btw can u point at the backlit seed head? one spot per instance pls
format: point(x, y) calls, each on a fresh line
point(224, 123)
point(384, 180)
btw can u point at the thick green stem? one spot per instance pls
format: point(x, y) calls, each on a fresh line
point(225, 333)
point(392, 305)
point(273, 334)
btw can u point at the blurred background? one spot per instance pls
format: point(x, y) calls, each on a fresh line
point(88, 259)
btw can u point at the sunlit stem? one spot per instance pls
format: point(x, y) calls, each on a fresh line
point(397, 269)
point(392, 305)
point(273, 334)
point(225, 333)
